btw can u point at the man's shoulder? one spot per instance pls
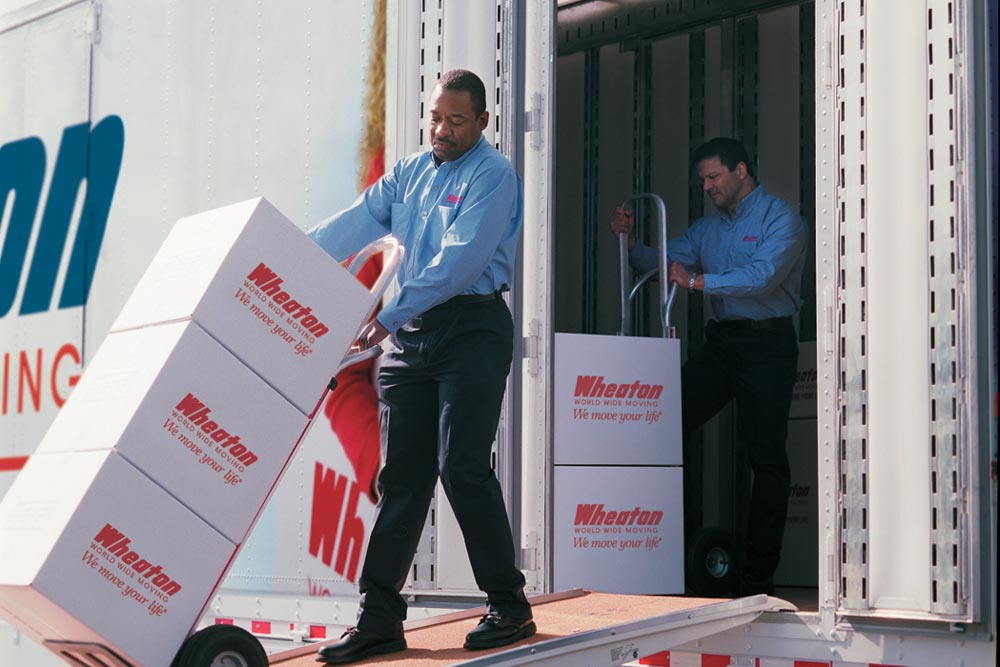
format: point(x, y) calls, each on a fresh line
point(776, 201)
point(777, 207)
point(413, 160)
point(485, 156)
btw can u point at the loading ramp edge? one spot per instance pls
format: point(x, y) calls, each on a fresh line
point(625, 642)
point(611, 644)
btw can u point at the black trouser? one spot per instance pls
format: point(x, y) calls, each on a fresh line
point(754, 363)
point(441, 391)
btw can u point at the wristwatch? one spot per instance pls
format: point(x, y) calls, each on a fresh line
point(691, 282)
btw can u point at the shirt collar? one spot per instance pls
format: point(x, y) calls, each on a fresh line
point(746, 203)
point(458, 163)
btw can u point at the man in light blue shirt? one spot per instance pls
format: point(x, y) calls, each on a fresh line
point(747, 257)
point(457, 210)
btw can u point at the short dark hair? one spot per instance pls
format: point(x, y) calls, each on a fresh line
point(729, 151)
point(459, 80)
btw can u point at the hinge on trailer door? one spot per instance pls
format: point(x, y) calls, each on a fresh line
point(529, 559)
point(533, 121)
point(529, 552)
point(827, 62)
point(93, 28)
point(530, 347)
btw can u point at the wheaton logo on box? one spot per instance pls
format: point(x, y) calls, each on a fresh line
point(119, 545)
point(620, 531)
point(592, 386)
point(595, 515)
point(270, 283)
point(198, 413)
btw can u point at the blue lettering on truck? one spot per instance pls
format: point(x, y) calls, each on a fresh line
point(87, 156)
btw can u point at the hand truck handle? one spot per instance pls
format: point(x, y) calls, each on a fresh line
point(390, 265)
point(667, 291)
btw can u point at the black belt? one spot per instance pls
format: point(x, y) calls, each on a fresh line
point(463, 299)
point(771, 323)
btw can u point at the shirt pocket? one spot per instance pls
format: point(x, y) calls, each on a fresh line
point(746, 247)
point(446, 216)
point(402, 221)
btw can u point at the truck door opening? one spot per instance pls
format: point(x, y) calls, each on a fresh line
point(638, 88)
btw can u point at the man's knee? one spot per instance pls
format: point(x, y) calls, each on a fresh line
point(459, 474)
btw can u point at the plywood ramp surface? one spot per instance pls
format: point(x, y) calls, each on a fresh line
point(441, 643)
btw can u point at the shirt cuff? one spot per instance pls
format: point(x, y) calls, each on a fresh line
point(709, 283)
point(390, 320)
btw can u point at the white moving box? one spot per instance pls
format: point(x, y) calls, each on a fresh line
point(188, 414)
point(263, 289)
point(619, 529)
point(102, 554)
point(617, 400)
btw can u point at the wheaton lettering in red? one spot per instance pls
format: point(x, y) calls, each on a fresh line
point(330, 493)
point(595, 515)
point(197, 413)
point(593, 386)
point(119, 545)
point(270, 283)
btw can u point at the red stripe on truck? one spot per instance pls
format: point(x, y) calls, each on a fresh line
point(12, 463)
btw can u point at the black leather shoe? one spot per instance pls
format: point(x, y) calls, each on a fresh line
point(755, 583)
point(357, 644)
point(497, 630)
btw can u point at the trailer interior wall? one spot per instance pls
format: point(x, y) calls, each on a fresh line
point(907, 321)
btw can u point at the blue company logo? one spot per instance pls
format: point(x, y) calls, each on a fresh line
point(86, 154)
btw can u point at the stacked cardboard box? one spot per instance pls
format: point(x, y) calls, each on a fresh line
point(120, 527)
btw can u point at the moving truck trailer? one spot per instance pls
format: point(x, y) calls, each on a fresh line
point(876, 118)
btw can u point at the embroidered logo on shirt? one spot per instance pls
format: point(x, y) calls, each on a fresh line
point(751, 239)
point(453, 199)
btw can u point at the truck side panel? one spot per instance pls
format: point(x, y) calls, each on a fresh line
point(148, 113)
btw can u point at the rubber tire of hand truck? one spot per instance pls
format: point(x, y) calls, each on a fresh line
point(712, 565)
point(210, 646)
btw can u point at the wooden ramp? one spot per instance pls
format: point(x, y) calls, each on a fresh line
point(574, 628)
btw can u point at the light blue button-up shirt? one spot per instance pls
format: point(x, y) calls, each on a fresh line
point(752, 263)
point(458, 223)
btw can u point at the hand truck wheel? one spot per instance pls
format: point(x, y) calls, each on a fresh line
point(221, 646)
point(713, 562)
